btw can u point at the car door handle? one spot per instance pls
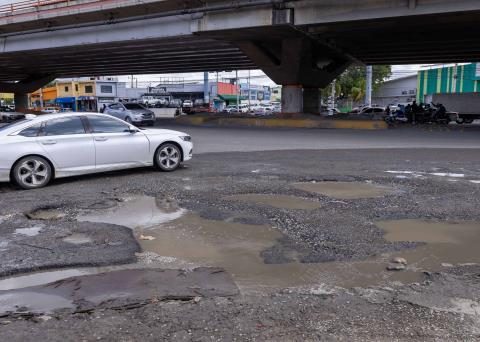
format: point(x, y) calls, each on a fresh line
point(49, 142)
point(101, 138)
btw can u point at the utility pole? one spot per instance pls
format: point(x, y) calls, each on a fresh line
point(249, 104)
point(368, 91)
point(206, 98)
point(333, 93)
point(238, 91)
point(41, 98)
point(131, 83)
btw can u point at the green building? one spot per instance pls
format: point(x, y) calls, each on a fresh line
point(454, 79)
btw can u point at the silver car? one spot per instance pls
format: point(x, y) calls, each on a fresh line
point(133, 113)
point(36, 150)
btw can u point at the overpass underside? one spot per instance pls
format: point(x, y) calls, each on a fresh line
point(302, 45)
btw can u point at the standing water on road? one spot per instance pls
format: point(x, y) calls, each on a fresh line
point(446, 243)
point(345, 190)
point(136, 212)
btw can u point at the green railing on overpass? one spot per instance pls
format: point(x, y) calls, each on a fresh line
point(19, 7)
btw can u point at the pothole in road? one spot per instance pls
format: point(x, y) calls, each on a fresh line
point(446, 243)
point(277, 201)
point(136, 212)
point(345, 190)
point(239, 249)
point(46, 214)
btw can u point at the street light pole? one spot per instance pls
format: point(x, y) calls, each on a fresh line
point(238, 91)
point(368, 91)
point(249, 104)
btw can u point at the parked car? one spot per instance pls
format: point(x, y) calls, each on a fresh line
point(39, 149)
point(133, 113)
point(330, 112)
point(153, 101)
point(175, 103)
point(187, 104)
point(10, 116)
point(6, 109)
point(373, 111)
point(54, 110)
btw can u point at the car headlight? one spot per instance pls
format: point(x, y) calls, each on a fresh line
point(186, 138)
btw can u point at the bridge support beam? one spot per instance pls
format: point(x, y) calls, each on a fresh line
point(292, 99)
point(312, 100)
point(23, 88)
point(21, 102)
point(301, 65)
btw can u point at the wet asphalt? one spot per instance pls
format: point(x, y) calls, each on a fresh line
point(340, 230)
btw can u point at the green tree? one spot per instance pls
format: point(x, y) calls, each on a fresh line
point(352, 83)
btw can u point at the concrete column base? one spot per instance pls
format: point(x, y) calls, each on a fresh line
point(312, 100)
point(292, 99)
point(21, 102)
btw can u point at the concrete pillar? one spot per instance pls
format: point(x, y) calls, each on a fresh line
point(312, 100)
point(21, 102)
point(292, 99)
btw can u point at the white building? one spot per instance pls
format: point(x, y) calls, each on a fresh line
point(398, 90)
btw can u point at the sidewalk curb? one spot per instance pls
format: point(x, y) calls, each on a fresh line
point(282, 123)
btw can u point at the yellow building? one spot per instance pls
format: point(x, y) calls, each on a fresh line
point(78, 95)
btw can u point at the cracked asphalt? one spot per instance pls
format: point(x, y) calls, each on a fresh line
point(425, 182)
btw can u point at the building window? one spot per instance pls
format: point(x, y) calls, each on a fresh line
point(66, 89)
point(89, 89)
point(106, 89)
point(412, 92)
point(76, 87)
point(404, 92)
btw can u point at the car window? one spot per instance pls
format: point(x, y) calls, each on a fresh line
point(102, 124)
point(31, 131)
point(64, 126)
point(133, 106)
point(13, 124)
point(378, 110)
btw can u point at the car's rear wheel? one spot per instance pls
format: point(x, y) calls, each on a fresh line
point(32, 172)
point(168, 157)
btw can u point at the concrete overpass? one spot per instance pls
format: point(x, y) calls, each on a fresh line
point(301, 44)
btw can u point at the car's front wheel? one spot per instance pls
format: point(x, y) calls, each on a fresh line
point(168, 157)
point(32, 172)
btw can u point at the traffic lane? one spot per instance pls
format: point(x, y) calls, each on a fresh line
point(214, 139)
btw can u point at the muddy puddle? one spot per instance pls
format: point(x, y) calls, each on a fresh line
point(446, 243)
point(172, 238)
point(345, 190)
point(276, 201)
point(135, 212)
point(238, 247)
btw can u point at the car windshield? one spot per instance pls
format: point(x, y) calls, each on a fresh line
point(13, 124)
point(133, 106)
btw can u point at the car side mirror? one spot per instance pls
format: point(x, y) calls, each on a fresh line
point(132, 130)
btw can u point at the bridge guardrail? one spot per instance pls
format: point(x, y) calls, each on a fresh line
point(34, 6)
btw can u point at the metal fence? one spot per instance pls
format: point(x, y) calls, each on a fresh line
point(35, 5)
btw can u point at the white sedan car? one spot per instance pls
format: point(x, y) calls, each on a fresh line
point(36, 150)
